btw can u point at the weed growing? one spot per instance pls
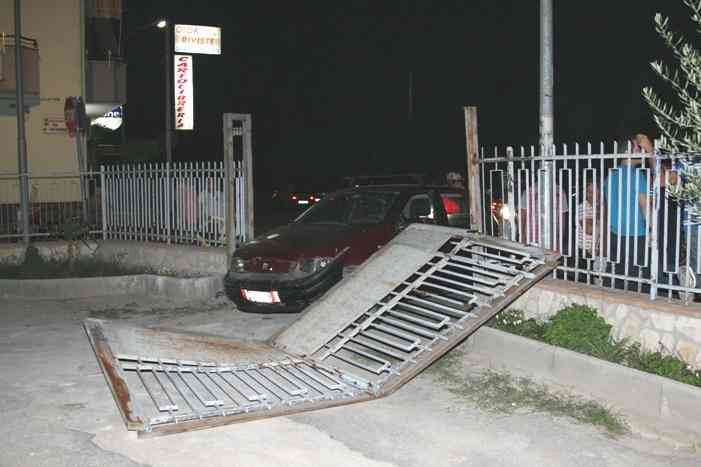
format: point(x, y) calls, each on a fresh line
point(503, 393)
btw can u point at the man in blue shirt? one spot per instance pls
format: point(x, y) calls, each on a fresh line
point(627, 202)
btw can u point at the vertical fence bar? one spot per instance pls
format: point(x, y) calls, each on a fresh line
point(103, 200)
point(544, 203)
point(510, 193)
point(654, 271)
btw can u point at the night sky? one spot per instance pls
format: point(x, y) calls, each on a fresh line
point(327, 82)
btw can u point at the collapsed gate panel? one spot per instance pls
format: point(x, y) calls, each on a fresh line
point(166, 382)
point(460, 282)
point(409, 304)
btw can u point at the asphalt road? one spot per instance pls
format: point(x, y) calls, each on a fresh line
point(58, 411)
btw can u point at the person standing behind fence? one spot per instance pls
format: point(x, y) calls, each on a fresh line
point(530, 216)
point(590, 241)
point(211, 205)
point(667, 224)
point(627, 203)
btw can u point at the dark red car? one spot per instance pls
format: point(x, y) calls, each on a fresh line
point(284, 270)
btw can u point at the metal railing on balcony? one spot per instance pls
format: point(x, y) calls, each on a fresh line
point(106, 81)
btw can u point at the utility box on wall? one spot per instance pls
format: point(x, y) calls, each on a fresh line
point(30, 62)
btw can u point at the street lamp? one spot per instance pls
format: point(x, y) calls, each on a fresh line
point(164, 25)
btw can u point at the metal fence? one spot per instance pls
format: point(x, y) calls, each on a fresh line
point(180, 202)
point(606, 209)
point(177, 202)
point(55, 205)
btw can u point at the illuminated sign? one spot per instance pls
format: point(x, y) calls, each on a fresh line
point(112, 120)
point(184, 114)
point(192, 39)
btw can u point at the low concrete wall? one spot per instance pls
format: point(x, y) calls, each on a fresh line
point(161, 258)
point(201, 288)
point(657, 325)
point(654, 405)
point(13, 253)
point(164, 258)
point(184, 260)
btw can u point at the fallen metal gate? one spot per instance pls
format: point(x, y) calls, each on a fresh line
point(410, 303)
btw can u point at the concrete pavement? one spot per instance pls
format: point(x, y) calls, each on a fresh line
point(58, 411)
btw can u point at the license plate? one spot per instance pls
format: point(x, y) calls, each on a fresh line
point(303, 201)
point(258, 296)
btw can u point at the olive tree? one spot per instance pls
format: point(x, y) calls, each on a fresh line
point(680, 120)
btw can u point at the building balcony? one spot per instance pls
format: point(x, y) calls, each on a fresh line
point(8, 82)
point(106, 83)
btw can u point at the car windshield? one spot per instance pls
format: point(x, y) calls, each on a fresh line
point(369, 207)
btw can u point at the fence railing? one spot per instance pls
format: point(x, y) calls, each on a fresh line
point(180, 203)
point(54, 204)
point(177, 202)
point(606, 209)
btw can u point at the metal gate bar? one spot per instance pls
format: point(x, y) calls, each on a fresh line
point(421, 317)
point(173, 391)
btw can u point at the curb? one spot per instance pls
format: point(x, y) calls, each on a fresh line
point(201, 288)
point(659, 406)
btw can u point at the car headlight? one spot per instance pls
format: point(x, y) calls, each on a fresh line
point(312, 265)
point(238, 265)
point(506, 212)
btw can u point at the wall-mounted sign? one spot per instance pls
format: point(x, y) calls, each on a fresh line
point(55, 125)
point(184, 114)
point(112, 120)
point(191, 39)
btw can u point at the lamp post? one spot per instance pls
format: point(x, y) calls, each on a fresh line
point(165, 26)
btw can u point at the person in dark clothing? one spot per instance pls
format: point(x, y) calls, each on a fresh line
point(668, 216)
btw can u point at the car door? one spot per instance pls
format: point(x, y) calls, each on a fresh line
point(420, 208)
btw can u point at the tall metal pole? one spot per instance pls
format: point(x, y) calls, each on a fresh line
point(546, 184)
point(21, 133)
point(546, 75)
point(169, 94)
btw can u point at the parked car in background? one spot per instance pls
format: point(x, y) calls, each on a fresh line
point(288, 267)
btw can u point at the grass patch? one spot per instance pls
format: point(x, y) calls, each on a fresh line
point(581, 329)
point(503, 393)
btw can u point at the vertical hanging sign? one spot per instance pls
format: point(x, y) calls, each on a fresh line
point(184, 96)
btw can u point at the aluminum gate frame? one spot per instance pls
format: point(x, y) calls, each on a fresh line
point(409, 304)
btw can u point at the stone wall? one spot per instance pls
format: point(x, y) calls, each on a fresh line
point(657, 325)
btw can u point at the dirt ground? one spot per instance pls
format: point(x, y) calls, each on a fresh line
point(58, 411)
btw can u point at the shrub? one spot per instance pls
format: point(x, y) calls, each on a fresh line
point(515, 322)
point(581, 329)
point(578, 328)
point(660, 364)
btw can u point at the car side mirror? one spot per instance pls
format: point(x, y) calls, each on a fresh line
point(401, 224)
